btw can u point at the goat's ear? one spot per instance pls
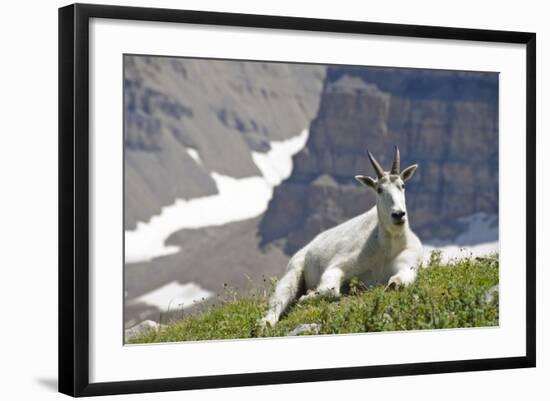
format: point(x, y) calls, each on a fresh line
point(408, 172)
point(367, 181)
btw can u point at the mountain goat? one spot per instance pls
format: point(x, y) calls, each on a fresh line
point(375, 247)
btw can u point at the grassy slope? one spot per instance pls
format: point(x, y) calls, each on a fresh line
point(443, 296)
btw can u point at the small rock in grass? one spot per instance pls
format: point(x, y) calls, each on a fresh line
point(309, 328)
point(139, 329)
point(386, 318)
point(490, 294)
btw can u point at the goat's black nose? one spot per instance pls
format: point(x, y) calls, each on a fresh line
point(398, 215)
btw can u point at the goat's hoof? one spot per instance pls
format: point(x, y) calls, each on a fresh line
point(265, 323)
point(309, 295)
point(393, 284)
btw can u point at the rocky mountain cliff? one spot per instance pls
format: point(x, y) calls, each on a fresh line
point(445, 121)
point(185, 118)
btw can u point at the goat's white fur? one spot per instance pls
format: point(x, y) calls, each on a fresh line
point(371, 247)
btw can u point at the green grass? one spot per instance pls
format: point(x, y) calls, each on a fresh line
point(443, 296)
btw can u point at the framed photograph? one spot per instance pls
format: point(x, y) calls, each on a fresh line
point(252, 199)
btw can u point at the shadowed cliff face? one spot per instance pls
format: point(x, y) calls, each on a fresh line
point(186, 118)
point(447, 122)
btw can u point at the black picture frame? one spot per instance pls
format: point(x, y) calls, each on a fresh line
point(74, 194)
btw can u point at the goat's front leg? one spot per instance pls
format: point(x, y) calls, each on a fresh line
point(405, 270)
point(329, 285)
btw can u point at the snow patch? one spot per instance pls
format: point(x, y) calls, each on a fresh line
point(174, 296)
point(480, 238)
point(276, 165)
point(194, 155)
point(453, 252)
point(237, 199)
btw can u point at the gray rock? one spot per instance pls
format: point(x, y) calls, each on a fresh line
point(139, 329)
point(491, 294)
point(309, 328)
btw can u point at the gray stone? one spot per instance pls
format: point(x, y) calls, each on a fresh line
point(139, 329)
point(306, 328)
point(491, 294)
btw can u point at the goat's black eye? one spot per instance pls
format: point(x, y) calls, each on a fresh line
point(402, 186)
point(379, 190)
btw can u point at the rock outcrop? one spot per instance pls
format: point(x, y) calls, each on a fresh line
point(140, 329)
point(186, 118)
point(305, 328)
point(445, 121)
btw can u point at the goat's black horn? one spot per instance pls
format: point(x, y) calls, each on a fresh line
point(376, 165)
point(396, 166)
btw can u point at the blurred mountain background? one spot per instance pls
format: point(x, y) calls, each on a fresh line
point(447, 122)
point(194, 129)
point(177, 110)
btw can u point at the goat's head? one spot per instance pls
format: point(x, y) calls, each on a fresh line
point(390, 191)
